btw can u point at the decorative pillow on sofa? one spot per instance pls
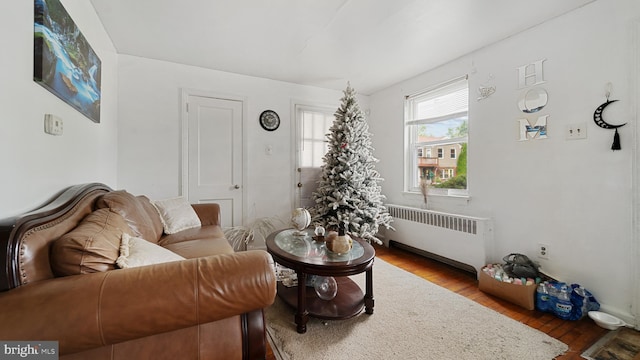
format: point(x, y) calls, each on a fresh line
point(176, 215)
point(92, 246)
point(141, 216)
point(136, 252)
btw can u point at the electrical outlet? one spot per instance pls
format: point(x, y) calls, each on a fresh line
point(543, 251)
point(576, 131)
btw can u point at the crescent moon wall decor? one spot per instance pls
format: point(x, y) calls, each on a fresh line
point(599, 120)
point(597, 116)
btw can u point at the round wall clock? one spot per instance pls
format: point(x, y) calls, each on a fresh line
point(269, 120)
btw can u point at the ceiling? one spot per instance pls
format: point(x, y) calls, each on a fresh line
point(325, 43)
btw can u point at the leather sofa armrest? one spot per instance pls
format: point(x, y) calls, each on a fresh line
point(209, 214)
point(92, 310)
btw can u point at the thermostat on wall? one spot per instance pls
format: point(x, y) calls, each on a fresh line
point(52, 124)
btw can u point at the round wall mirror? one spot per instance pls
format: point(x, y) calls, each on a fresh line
point(533, 100)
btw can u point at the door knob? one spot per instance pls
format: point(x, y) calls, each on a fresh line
point(236, 186)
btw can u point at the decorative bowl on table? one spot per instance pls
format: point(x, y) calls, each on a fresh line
point(326, 287)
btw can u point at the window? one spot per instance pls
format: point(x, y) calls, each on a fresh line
point(313, 123)
point(314, 126)
point(437, 119)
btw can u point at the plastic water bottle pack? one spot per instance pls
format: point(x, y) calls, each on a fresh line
point(568, 302)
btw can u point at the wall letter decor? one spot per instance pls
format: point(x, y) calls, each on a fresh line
point(529, 132)
point(532, 100)
point(535, 77)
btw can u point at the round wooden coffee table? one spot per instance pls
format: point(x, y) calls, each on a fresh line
point(306, 257)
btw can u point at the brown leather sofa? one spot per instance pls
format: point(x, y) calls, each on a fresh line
point(209, 306)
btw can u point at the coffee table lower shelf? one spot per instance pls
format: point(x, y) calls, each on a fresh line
point(349, 300)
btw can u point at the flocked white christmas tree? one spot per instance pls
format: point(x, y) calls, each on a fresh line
point(348, 190)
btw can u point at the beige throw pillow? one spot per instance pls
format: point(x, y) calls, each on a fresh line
point(176, 215)
point(136, 252)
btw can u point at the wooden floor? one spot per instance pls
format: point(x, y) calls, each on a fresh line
point(578, 335)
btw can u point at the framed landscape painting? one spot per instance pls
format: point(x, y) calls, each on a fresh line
point(64, 62)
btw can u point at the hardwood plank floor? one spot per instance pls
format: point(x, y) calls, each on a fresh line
point(578, 335)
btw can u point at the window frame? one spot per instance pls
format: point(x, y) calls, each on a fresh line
point(411, 168)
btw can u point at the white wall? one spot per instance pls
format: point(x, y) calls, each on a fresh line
point(575, 196)
point(36, 165)
point(149, 160)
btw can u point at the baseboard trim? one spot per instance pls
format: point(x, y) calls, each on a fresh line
point(432, 256)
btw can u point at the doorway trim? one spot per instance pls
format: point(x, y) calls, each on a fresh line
point(635, 174)
point(183, 181)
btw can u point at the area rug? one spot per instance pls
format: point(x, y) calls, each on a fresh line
point(413, 319)
point(621, 344)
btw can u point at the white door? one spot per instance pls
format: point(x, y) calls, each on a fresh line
point(214, 154)
point(313, 125)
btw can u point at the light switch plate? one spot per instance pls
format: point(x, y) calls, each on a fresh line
point(576, 131)
point(52, 124)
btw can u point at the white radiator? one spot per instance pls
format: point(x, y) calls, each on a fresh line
point(463, 239)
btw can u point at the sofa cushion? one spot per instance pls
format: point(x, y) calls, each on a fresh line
point(197, 242)
point(203, 232)
point(142, 217)
point(192, 249)
point(176, 215)
point(136, 252)
point(92, 246)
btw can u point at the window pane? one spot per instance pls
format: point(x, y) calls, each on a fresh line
point(443, 130)
point(315, 126)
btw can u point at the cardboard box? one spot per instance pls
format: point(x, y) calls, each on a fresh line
point(522, 295)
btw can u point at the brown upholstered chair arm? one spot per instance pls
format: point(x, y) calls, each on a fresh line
point(88, 311)
point(209, 214)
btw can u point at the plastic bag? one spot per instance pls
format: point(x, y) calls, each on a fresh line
point(520, 266)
